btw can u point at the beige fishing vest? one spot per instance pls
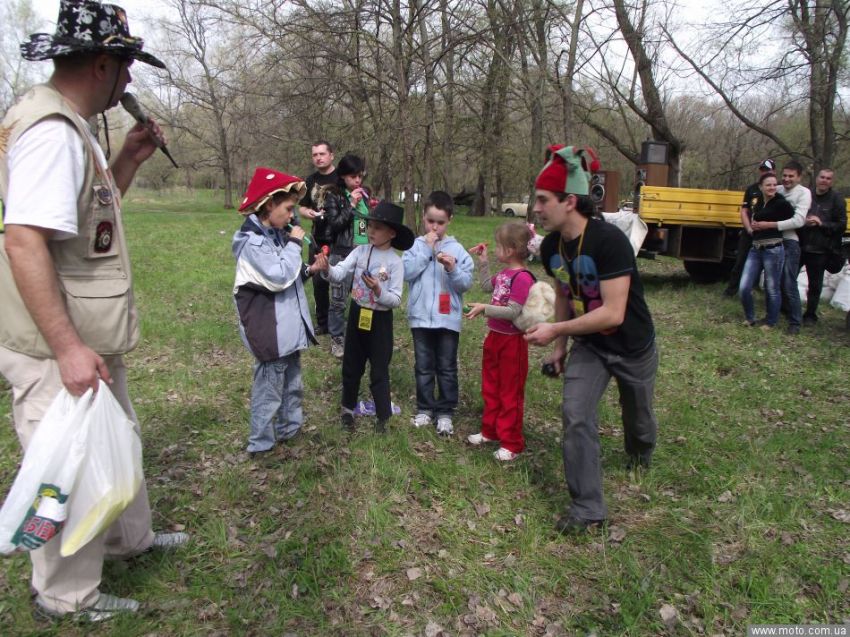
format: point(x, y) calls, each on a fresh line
point(93, 267)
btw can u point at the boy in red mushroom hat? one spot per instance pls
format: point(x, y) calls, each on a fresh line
point(274, 317)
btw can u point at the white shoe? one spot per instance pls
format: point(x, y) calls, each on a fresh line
point(504, 455)
point(477, 439)
point(444, 426)
point(421, 420)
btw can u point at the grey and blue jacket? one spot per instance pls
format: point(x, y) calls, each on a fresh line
point(427, 279)
point(274, 317)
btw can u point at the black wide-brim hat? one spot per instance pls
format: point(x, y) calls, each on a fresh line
point(85, 26)
point(393, 216)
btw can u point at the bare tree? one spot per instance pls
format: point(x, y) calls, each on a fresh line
point(17, 20)
point(812, 38)
point(209, 74)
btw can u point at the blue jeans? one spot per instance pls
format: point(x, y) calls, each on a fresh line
point(790, 292)
point(276, 402)
point(770, 260)
point(338, 298)
point(436, 364)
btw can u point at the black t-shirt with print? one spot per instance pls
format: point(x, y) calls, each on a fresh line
point(603, 253)
point(313, 182)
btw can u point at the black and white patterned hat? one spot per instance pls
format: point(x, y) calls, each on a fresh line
point(85, 26)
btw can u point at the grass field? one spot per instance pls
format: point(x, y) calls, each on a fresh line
point(742, 519)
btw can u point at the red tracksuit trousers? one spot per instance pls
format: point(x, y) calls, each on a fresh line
point(504, 369)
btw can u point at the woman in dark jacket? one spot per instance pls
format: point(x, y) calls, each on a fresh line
point(766, 254)
point(345, 212)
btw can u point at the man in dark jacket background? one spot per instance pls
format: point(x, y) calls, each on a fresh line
point(825, 224)
point(312, 207)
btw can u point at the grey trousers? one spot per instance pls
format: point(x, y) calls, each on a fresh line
point(586, 377)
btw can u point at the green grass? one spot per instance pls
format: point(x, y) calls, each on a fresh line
point(372, 535)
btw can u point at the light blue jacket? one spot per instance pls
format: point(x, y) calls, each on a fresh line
point(274, 317)
point(426, 279)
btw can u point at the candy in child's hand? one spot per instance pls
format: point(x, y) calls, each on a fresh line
point(326, 250)
point(466, 309)
point(367, 273)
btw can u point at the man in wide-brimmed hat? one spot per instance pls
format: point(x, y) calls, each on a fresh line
point(67, 313)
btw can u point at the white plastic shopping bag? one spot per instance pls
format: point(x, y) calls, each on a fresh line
point(35, 509)
point(841, 298)
point(803, 283)
point(111, 473)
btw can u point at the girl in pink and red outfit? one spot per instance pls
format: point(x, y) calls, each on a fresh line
point(504, 366)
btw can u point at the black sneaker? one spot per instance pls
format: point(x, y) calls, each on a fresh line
point(321, 330)
point(638, 460)
point(347, 421)
point(569, 524)
point(380, 426)
point(792, 330)
point(730, 291)
point(810, 321)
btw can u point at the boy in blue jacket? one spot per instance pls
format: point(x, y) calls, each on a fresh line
point(438, 271)
point(274, 317)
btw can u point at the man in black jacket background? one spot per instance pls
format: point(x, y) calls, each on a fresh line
point(825, 224)
point(311, 207)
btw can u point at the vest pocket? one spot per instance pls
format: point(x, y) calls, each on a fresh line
point(100, 310)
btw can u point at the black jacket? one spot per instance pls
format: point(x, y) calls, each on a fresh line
point(776, 209)
point(831, 209)
point(339, 216)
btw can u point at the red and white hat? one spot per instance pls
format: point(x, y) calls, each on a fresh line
point(568, 169)
point(265, 183)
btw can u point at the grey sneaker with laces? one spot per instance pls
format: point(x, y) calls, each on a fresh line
point(444, 426)
point(169, 541)
point(105, 608)
point(421, 420)
point(337, 346)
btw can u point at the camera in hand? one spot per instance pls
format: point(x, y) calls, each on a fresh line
point(548, 369)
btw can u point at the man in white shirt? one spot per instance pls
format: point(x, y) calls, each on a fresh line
point(67, 313)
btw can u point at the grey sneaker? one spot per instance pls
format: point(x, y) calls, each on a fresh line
point(169, 541)
point(337, 346)
point(444, 426)
point(105, 607)
point(421, 420)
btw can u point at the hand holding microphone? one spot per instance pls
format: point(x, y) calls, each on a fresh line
point(132, 106)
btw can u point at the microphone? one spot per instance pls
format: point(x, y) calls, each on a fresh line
point(132, 106)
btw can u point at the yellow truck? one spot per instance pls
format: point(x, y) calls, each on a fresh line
point(701, 227)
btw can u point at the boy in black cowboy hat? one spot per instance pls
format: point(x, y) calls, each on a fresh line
point(376, 290)
point(67, 314)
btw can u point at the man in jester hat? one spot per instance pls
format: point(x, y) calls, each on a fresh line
point(600, 304)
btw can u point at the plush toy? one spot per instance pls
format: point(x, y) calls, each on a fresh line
point(539, 306)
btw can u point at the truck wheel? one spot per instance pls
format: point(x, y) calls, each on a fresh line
point(708, 271)
point(509, 212)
